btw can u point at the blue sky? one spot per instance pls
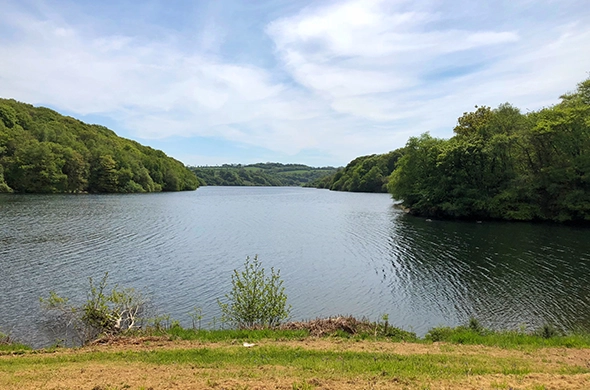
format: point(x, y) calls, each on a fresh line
point(314, 82)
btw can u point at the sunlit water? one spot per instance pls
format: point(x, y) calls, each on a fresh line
point(338, 253)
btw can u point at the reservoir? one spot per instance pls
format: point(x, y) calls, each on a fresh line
point(338, 253)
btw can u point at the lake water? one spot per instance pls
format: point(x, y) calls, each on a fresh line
point(338, 253)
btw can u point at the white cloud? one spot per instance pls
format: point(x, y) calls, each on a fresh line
point(351, 78)
point(372, 60)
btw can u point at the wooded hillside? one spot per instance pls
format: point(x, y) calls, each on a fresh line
point(503, 164)
point(42, 151)
point(260, 174)
point(363, 174)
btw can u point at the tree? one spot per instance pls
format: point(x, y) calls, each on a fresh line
point(105, 177)
point(37, 167)
point(76, 169)
point(8, 115)
point(256, 300)
point(3, 186)
point(416, 180)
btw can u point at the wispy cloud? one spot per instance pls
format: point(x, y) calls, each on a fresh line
point(338, 79)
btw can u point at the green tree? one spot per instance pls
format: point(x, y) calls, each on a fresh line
point(3, 186)
point(363, 174)
point(416, 178)
point(8, 115)
point(37, 167)
point(76, 169)
point(105, 176)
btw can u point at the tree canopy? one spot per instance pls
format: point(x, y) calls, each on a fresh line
point(503, 164)
point(42, 151)
point(363, 174)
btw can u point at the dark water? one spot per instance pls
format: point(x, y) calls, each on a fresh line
point(339, 253)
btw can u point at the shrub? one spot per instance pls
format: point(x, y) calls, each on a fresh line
point(439, 334)
point(104, 312)
point(475, 325)
point(547, 331)
point(256, 300)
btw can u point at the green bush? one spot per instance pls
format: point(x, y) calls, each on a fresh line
point(256, 300)
point(547, 331)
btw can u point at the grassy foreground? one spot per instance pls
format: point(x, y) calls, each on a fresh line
point(293, 359)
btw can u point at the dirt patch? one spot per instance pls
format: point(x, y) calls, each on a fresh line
point(138, 376)
point(547, 366)
point(549, 357)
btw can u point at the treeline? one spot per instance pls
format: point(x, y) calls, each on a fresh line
point(363, 174)
point(42, 151)
point(503, 164)
point(260, 174)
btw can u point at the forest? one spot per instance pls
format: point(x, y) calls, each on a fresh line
point(363, 174)
point(503, 164)
point(260, 174)
point(42, 151)
point(500, 164)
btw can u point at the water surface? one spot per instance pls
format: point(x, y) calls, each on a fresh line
point(339, 253)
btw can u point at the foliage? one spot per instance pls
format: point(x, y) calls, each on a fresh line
point(363, 174)
point(104, 312)
point(548, 331)
point(260, 174)
point(256, 300)
point(502, 164)
point(197, 316)
point(3, 186)
point(44, 152)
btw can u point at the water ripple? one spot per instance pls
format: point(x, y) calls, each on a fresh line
point(339, 253)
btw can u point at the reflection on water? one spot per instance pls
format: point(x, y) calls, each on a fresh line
point(339, 253)
point(507, 274)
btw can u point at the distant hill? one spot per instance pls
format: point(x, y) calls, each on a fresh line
point(260, 174)
point(42, 151)
point(363, 174)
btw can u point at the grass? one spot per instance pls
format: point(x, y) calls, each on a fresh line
point(360, 330)
point(7, 344)
point(299, 360)
point(236, 334)
point(506, 338)
point(14, 347)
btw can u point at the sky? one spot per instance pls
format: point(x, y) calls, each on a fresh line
point(313, 82)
